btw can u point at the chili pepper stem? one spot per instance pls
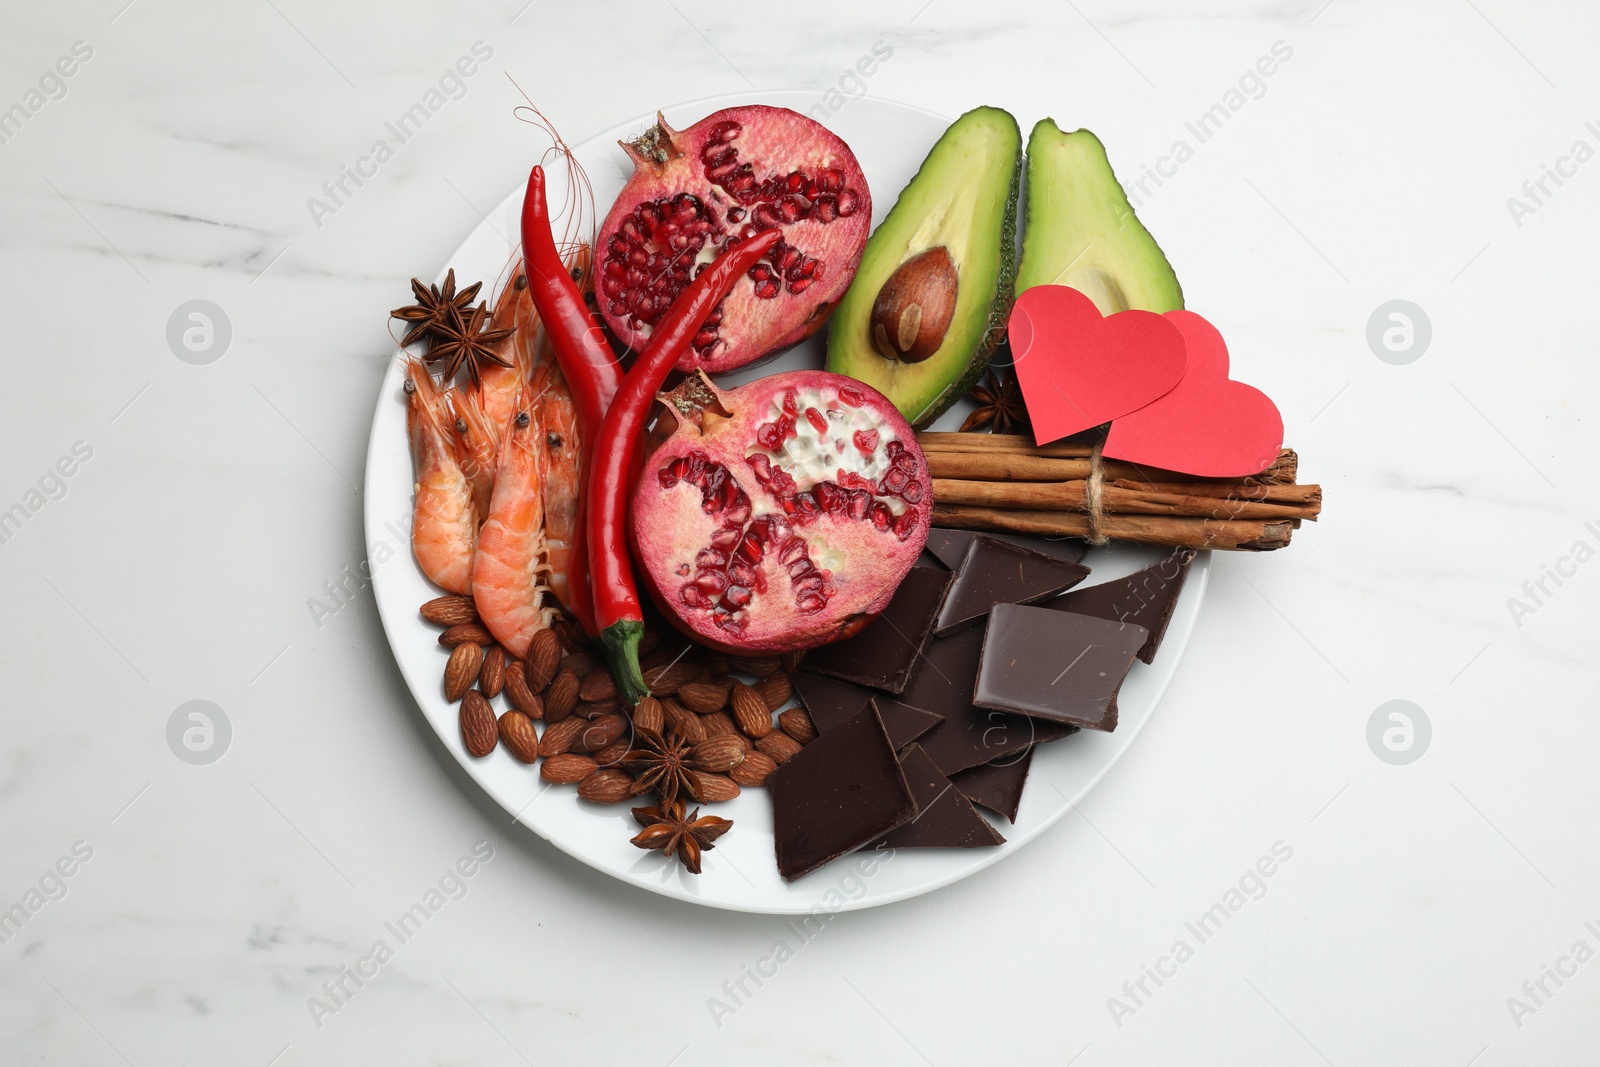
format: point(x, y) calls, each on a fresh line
point(621, 643)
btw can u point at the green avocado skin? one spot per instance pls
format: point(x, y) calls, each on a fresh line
point(1081, 230)
point(978, 156)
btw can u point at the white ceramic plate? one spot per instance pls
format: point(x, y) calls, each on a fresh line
point(890, 140)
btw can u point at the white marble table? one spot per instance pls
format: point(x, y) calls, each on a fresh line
point(207, 505)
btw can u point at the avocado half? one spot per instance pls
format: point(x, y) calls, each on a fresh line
point(963, 199)
point(1082, 232)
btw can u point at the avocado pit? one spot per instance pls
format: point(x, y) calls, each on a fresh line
point(913, 310)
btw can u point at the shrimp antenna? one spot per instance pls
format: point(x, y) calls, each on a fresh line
point(577, 206)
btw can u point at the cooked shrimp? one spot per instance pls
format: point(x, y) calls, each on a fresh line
point(477, 445)
point(500, 387)
point(444, 524)
point(510, 573)
point(563, 476)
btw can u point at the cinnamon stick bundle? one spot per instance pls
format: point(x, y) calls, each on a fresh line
point(1008, 484)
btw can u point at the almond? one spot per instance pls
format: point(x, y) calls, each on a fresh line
point(649, 640)
point(718, 664)
point(665, 657)
point(478, 728)
point(557, 739)
point(607, 786)
point(579, 663)
point(594, 711)
point(758, 667)
point(598, 685)
point(462, 670)
point(519, 736)
point(566, 769)
point(682, 721)
point(775, 689)
point(796, 722)
point(544, 659)
point(562, 697)
point(720, 753)
point(649, 715)
point(450, 610)
point(753, 769)
point(615, 752)
point(703, 697)
point(718, 724)
point(492, 675)
point(523, 698)
point(664, 681)
point(779, 745)
point(751, 710)
point(791, 660)
point(464, 632)
point(599, 733)
point(713, 788)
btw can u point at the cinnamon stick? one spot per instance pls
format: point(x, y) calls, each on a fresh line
point(943, 441)
point(1174, 531)
point(1015, 466)
point(1114, 499)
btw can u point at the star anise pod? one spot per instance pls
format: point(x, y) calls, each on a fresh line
point(662, 764)
point(1000, 407)
point(463, 339)
point(433, 305)
point(669, 831)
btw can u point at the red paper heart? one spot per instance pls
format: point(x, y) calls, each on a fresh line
point(1079, 369)
point(1207, 426)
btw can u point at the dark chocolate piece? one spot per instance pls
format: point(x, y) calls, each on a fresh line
point(1145, 598)
point(945, 818)
point(943, 684)
point(883, 653)
point(998, 785)
point(1055, 665)
point(836, 794)
point(949, 547)
point(830, 702)
point(995, 572)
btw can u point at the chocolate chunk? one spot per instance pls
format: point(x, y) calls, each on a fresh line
point(949, 547)
point(998, 785)
point(945, 818)
point(836, 794)
point(943, 684)
point(883, 653)
point(831, 702)
point(995, 572)
point(1055, 665)
point(1145, 598)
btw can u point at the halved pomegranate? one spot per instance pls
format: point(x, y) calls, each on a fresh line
point(724, 179)
point(783, 514)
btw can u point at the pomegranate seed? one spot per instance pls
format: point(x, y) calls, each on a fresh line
point(768, 289)
point(817, 419)
point(865, 440)
point(847, 203)
point(852, 396)
point(799, 285)
point(705, 338)
point(824, 209)
point(736, 214)
point(831, 180)
point(882, 517)
point(912, 493)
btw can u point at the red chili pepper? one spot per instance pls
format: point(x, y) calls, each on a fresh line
point(616, 598)
point(586, 359)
